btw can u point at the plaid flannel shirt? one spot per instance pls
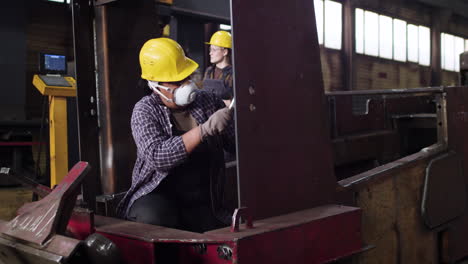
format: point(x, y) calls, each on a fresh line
point(158, 151)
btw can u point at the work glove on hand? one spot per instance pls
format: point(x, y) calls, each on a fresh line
point(216, 124)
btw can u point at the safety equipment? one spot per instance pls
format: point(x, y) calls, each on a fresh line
point(184, 95)
point(164, 60)
point(222, 39)
point(217, 123)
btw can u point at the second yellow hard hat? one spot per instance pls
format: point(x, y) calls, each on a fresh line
point(222, 39)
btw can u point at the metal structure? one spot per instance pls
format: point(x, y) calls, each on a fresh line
point(390, 151)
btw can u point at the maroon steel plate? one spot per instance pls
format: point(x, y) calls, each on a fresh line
point(284, 150)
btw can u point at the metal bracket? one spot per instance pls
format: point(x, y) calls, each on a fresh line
point(238, 213)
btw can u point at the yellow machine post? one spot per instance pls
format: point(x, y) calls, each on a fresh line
point(58, 88)
point(58, 139)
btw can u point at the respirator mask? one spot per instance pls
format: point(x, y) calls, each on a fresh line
point(184, 95)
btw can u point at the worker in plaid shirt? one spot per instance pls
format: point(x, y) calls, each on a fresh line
point(180, 133)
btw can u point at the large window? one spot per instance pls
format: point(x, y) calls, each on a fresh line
point(328, 15)
point(390, 38)
point(60, 1)
point(451, 48)
point(225, 27)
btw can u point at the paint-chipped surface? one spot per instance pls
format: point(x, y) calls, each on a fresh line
point(392, 222)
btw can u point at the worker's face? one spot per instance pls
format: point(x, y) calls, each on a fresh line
point(217, 54)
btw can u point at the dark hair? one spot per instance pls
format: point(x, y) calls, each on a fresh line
point(142, 84)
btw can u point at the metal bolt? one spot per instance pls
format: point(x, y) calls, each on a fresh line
point(200, 248)
point(252, 107)
point(251, 90)
point(91, 99)
point(224, 252)
point(93, 112)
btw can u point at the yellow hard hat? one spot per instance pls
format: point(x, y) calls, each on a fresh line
point(164, 60)
point(221, 39)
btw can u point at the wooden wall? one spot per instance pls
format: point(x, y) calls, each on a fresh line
point(49, 29)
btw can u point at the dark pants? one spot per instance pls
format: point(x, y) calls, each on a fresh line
point(159, 209)
point(163, 210)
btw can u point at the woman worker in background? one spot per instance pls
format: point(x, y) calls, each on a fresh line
point(218, 76)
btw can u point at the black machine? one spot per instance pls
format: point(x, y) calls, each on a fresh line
point(464, 68)
point(52, 63)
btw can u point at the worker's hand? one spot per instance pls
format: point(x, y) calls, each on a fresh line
point(216, 123)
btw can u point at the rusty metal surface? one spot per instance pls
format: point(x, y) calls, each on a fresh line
point(457, 122)
point(397, 105)
point(17, 253)
point(363, 179)
point(444, 196)
point(86, 96)
point(56, 251)
point(380, 145)
point(358, 112)
point(122, 27)
point(145, 232)
point(284, 150)
point(427, 90)
point(315, 235)
point(284, 221)
point(348, 122)
point(134, 251)
point(153, 233)
point(50, 215)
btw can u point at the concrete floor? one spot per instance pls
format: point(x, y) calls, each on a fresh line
point(11, 199)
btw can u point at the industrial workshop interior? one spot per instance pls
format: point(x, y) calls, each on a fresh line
point(234, 131)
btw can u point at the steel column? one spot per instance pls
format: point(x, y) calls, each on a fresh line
point(83, 41)
point(122, 27)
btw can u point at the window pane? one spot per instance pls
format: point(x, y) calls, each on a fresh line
point(425, 46)
point(449, 51)
point(459, 47)
point(413, 43)
point(442, 50)
point(385, 37)
point(319, 19)
point(359, 27)
point(399, 40)
point(224, 27)
point(371, 33)
point(332, 24)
